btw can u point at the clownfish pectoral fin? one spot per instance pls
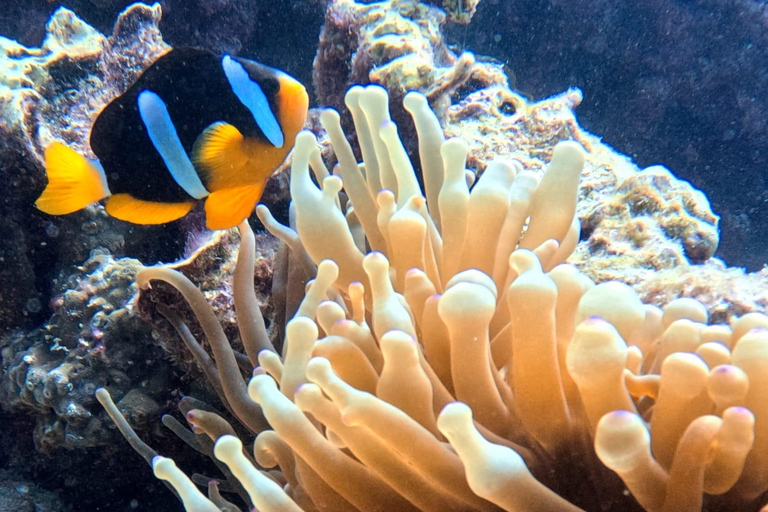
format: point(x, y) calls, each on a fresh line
point(250, 94)
point(74, 182)
point(128, 208)
point(219, 155)
point(154, 114)
point(228, 207)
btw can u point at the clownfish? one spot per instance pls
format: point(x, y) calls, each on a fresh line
point(193, 127)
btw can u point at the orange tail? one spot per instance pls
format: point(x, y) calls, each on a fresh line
point(73, 181)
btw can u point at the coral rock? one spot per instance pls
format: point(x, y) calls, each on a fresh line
point(94, 337)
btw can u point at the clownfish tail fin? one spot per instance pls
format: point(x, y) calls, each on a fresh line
point(74, 182)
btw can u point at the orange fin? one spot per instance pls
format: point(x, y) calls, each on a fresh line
point(227, 208)
point(73, 181)
point(128, 208)
point(219, 156)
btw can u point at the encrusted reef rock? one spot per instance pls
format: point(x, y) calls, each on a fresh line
point(397, 44)
point(634, 222)
point(94, 338)
point(458, 11)
point(652, 206)
point(727, 292)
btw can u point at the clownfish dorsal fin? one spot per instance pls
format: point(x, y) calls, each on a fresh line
point(128, 208)
point(74, 182)
point(228, 207)
point(220, 156)
point(162, 133)
point(250, 94)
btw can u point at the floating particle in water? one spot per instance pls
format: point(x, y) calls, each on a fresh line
point(51, 230)
point(33, 305)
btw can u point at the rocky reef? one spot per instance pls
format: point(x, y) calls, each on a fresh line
point(24, 496)
point(93, 337)
point(396, 43)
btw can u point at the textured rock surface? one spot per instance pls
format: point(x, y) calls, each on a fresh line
point(633, 221)
point(397, 44)
point(458, 11)
point(728, 292)
point(93, 337)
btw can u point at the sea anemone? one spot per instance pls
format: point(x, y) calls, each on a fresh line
point(446, 358)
